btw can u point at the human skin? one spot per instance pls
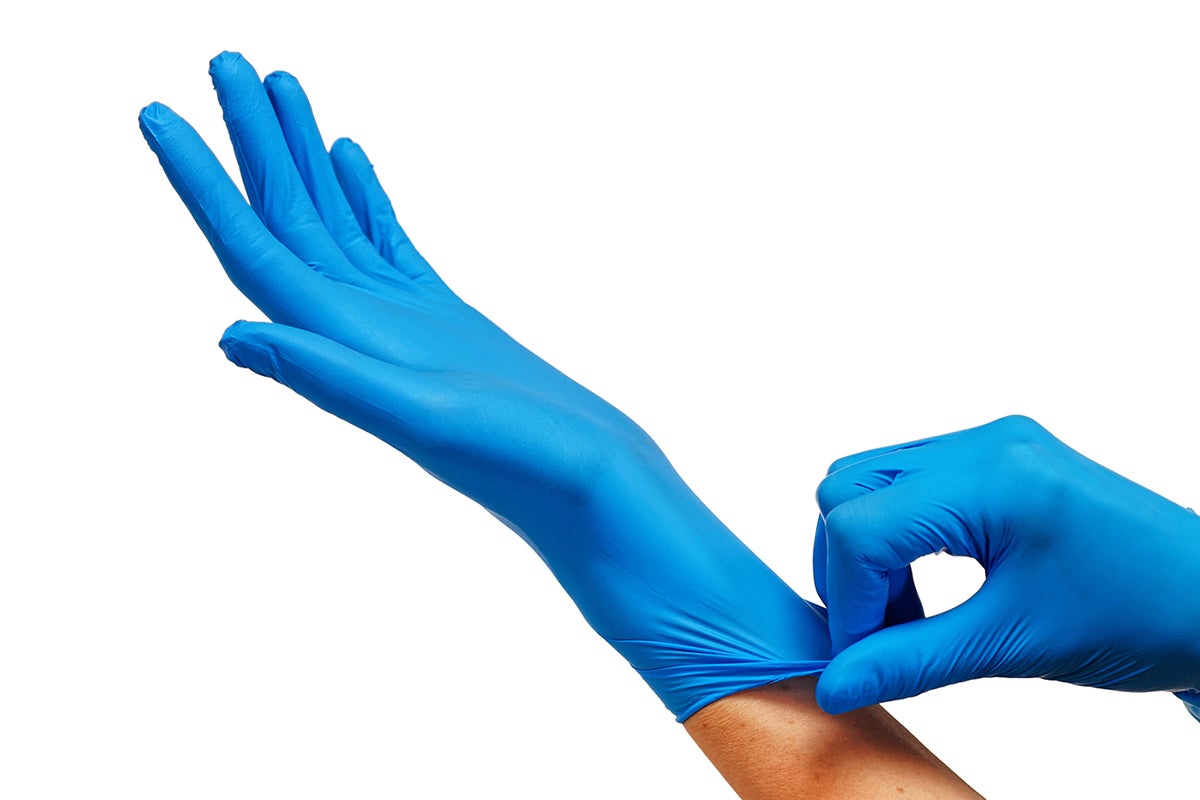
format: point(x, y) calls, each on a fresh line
point(775, 743)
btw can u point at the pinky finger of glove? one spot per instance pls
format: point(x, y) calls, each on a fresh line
point(905, 660)
point(375, 214)
point(391, 402)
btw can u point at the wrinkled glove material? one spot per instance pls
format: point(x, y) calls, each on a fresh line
point(365, 329)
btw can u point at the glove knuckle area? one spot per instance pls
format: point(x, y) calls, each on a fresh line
point(841, 463)
point(1017, 427)
point(853, 530)
point(830, 494)
point(1026, 459)
point(856, 481)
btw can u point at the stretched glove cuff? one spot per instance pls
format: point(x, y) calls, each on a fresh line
point(1191, 699)
point(687, 689)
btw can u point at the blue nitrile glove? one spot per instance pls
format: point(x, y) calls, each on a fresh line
point(1091, 579)
point(367, 331)
point(1191, 700)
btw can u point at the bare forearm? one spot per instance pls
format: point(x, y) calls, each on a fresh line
point(775, 743)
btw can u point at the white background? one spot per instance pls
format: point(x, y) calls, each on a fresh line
point(773, 235)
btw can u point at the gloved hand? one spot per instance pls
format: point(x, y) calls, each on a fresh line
point(1091, 579)
point(366, 330)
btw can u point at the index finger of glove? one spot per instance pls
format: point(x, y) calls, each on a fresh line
point(870, 540)
point(269, 274)
point(874, 471)
point(866, 455)
point(904, 603)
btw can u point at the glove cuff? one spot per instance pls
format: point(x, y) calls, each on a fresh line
point(1191, 700)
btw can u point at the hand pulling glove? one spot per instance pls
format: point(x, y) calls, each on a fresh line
point(1091, 578)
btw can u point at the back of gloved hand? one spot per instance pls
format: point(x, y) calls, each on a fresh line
point(366, 330)
point(1091, 578)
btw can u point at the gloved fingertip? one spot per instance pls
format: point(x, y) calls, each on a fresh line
point(282, 84)
point(346, 147)
point(245, 346)
point(155, 112)
point(230, 341)
point(233, 353)
point(226, 59)
point(231, 75)
point(156, 122)
point(837, 695)
point(236, 328)
point(152, 119)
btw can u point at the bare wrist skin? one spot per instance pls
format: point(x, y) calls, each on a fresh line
point(774, 743)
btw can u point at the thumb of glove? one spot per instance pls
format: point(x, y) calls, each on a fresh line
point(911, 658)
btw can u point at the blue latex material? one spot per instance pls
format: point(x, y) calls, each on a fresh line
point(364, 328)
point(1091, 578)
point(1191, 701)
